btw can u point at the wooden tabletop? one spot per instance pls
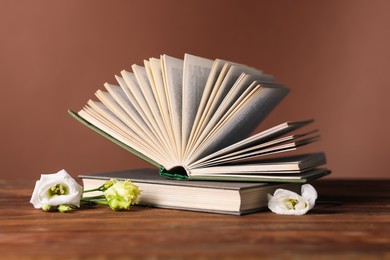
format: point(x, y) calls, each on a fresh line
point(357, 228)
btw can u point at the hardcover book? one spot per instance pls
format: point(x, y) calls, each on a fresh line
point(193, 118)
point(235, 198)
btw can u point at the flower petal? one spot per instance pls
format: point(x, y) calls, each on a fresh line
point(285, 193)
point(309, 193)
point(35, 196)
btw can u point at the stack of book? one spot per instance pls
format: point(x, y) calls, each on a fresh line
point(193, 119)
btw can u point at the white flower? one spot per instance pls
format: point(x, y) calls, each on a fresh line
point(56, 189)
point(290, 203)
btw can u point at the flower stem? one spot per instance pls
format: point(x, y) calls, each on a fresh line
point(97, 189)
point(94, 202)
point(93, 198)
point(91, 203)
point(101, 202)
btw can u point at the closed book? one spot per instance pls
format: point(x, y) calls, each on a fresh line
point(235, 198)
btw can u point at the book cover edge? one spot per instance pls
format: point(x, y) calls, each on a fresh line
point(112, 139)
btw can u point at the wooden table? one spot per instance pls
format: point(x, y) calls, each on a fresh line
point(358, 228)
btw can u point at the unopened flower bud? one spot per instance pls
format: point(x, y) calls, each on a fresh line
point(119, 204)
point(64, 208)
point(108, 184)
point(46, 207)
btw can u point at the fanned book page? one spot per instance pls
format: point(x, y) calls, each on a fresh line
point(194, 119)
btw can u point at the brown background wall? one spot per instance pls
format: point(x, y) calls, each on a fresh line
point(54, 55)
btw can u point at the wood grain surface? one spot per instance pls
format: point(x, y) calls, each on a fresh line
point(359, 227)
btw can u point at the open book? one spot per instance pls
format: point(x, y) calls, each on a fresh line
point(193, 119)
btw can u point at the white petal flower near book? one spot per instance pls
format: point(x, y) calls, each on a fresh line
point(56, 189)
point(287, 202)
point(193, 118)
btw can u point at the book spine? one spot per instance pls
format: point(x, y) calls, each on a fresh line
point(173, 174)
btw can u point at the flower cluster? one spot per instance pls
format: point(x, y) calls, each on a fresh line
point(60, 192)
point(286, 202)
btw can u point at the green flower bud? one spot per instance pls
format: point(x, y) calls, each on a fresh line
point(119, 204)
point(46, 207)
point(64, 208)
point(107, 184)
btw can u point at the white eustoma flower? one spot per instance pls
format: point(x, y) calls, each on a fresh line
point(56, 189)
point(286, 202)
